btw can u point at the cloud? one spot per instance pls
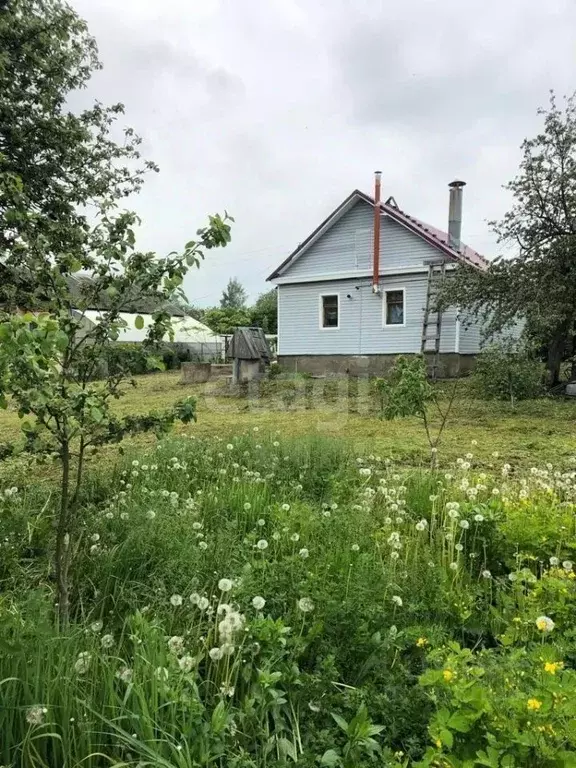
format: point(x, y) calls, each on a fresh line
point(275, 111)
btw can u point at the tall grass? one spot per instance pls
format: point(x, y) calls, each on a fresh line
point(341, 572)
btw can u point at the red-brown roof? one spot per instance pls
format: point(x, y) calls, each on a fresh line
point(436, 237)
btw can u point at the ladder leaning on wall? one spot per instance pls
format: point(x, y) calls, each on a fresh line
point(432, 323)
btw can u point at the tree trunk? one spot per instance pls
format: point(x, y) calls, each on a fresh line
point(573, 366)
point(556, 349)
point(63, 542)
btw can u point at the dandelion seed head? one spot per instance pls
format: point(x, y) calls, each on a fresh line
point(35, 715)
point(186, 663)
point(305, 605)
point(545, 624)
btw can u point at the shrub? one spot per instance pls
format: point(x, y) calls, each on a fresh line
point(508, 371)
point(128, 358)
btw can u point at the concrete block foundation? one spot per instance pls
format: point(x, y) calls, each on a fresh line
point(451, 365)
point(195, 373)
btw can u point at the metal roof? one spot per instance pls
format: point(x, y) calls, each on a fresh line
point(186, 329)
point(432, 235)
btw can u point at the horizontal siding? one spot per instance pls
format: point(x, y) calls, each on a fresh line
point(470, 337)
point(361, 330)
point(348, 246)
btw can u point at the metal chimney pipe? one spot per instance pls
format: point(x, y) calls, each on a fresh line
point(455, 214)
point(376, 251)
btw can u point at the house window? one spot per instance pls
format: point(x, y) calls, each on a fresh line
point(329, 315)
point(394, 307)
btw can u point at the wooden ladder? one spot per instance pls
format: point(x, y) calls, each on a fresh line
point(436, 274)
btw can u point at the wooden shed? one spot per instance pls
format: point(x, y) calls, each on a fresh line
point(250, 354)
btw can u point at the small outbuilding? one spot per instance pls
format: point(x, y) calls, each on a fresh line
point(250, 354)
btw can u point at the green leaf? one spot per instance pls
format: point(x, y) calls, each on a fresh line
point(330, 758)
point(459, 722)
point(61, 340)
point(340, 722)
point(139, 322)
point(219, 717)
point(446, 738)
point(96, 415)
point(287, 749)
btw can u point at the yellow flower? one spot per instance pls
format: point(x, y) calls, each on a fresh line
point(438, 743)
point(421, 642)
point(447, 674)
point(533, 704)
point(553, 666)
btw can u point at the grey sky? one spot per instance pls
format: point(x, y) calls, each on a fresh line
point(276, 109)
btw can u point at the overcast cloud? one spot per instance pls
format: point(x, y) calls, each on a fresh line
point(275, 110)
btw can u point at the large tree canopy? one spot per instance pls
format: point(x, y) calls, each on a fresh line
point(64, 160)
point(264, 313)
point(536, 284)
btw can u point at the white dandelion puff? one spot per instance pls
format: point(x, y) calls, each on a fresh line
point(305, 605)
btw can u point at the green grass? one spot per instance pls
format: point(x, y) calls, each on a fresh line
point(409, 655)
point(342, 531)
point(535, 431)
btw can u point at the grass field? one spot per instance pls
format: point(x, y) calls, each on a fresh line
point(286, 582)
point(540, 430)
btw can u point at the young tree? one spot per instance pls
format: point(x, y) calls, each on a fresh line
point(537, 285)
point(53, 166)
point(264, 313)
point(233, 296)
point(225, 321)
point(407, 392)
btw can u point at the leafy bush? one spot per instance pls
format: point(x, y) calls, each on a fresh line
point(508, 371)
point(127, 358)
point(134, 360)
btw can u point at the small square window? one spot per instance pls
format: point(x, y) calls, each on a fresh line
point(394, 309)
point(329, 311)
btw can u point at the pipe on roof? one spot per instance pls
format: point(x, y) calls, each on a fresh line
point(455, 215)
point(376, 252)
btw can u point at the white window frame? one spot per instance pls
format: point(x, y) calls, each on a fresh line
point(385, 293)
point(321, 312)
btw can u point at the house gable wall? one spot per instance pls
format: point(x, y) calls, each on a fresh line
point(348, 246)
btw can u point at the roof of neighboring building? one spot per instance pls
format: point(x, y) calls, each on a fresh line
point(432, 235)
point(186, 329)
point(79, 286)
